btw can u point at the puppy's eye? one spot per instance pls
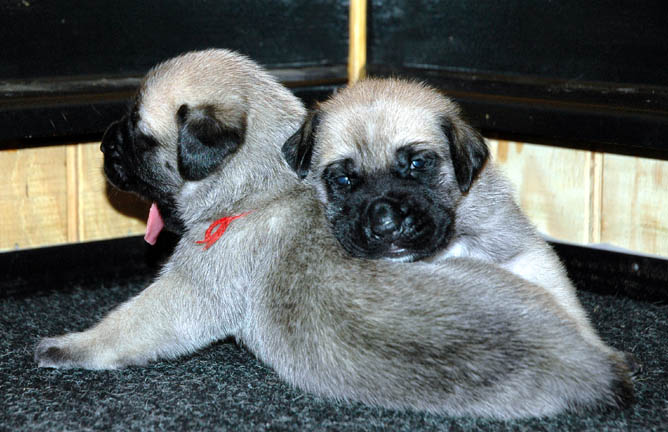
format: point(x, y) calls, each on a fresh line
point(340, 177)
point(418, 163)
point(342, 180)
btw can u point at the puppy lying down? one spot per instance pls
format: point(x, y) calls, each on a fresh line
point(402, 176)
point(203, 142)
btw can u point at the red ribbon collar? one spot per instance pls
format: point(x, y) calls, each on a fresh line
point(217, 229)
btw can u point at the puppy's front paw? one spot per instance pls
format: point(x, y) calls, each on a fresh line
point(51, 352)
point(73, 350)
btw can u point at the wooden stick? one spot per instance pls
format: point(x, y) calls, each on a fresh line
point(357, 40)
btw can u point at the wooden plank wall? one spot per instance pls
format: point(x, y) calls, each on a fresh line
point(588, 197)
point(57, 194)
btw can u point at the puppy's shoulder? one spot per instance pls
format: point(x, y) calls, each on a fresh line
point(297, 204)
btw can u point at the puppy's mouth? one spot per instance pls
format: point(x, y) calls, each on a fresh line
point(129, 172)
point(399, 254)
point(154, 224)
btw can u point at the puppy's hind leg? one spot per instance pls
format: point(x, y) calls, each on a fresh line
point(169, 318)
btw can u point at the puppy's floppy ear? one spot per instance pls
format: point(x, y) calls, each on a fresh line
point(113, 136)
point(298, 149)
point(204, 142)
point(467, 150)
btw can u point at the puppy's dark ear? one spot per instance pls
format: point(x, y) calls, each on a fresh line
point(204, 142)
point(298, 149)
point(467, 150)
point(113, 136)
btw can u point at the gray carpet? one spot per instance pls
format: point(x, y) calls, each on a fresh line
point(224, 387)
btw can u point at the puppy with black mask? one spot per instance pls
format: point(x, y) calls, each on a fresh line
point(257, 261)
point(403, 177)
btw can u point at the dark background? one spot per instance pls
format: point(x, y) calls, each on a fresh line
point(117, 38)
point(596, 40)
point(590, 74)
point(583, 74)
point(69, 68)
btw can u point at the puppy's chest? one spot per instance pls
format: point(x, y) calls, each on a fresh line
point(461, 248)
point(471, 250)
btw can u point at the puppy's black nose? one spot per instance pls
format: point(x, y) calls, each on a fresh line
point(385, 218)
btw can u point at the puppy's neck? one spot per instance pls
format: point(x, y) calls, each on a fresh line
point(256, 174)
point(239, 190)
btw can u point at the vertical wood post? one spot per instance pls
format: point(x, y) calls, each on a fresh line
point(594, 215)
point(357, 40)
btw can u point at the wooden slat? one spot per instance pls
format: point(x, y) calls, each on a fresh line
point(33, 199)
point(72, 158)
point(105, 212)
point(357, 40)
point(594, 165)
point(58, 194)
point(551, 186)
point(635, 203)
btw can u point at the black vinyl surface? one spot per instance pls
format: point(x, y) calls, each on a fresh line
point(585, 115)
point(223, 387)
point(596, 40)
point(74, 113)
point(587, 74)
point(68, 69)
point(115, 38)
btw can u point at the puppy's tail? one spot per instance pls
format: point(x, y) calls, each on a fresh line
point(624, 366)
point(620, 393)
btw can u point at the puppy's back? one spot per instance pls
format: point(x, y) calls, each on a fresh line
point(413, 336)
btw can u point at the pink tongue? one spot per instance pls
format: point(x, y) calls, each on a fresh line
point(154, 225)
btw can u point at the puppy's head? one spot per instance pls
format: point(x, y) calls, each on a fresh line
point(390, 160)
point(187, 124)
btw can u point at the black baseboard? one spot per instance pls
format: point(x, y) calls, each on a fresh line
point(34, 271)
point(28, 272)
point(584, 115)
point(616, 273)
point(45, 112)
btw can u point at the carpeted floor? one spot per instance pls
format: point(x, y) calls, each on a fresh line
point(224, 388)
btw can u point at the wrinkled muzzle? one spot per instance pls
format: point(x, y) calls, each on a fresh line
point(123, 169)
point(394, 225)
